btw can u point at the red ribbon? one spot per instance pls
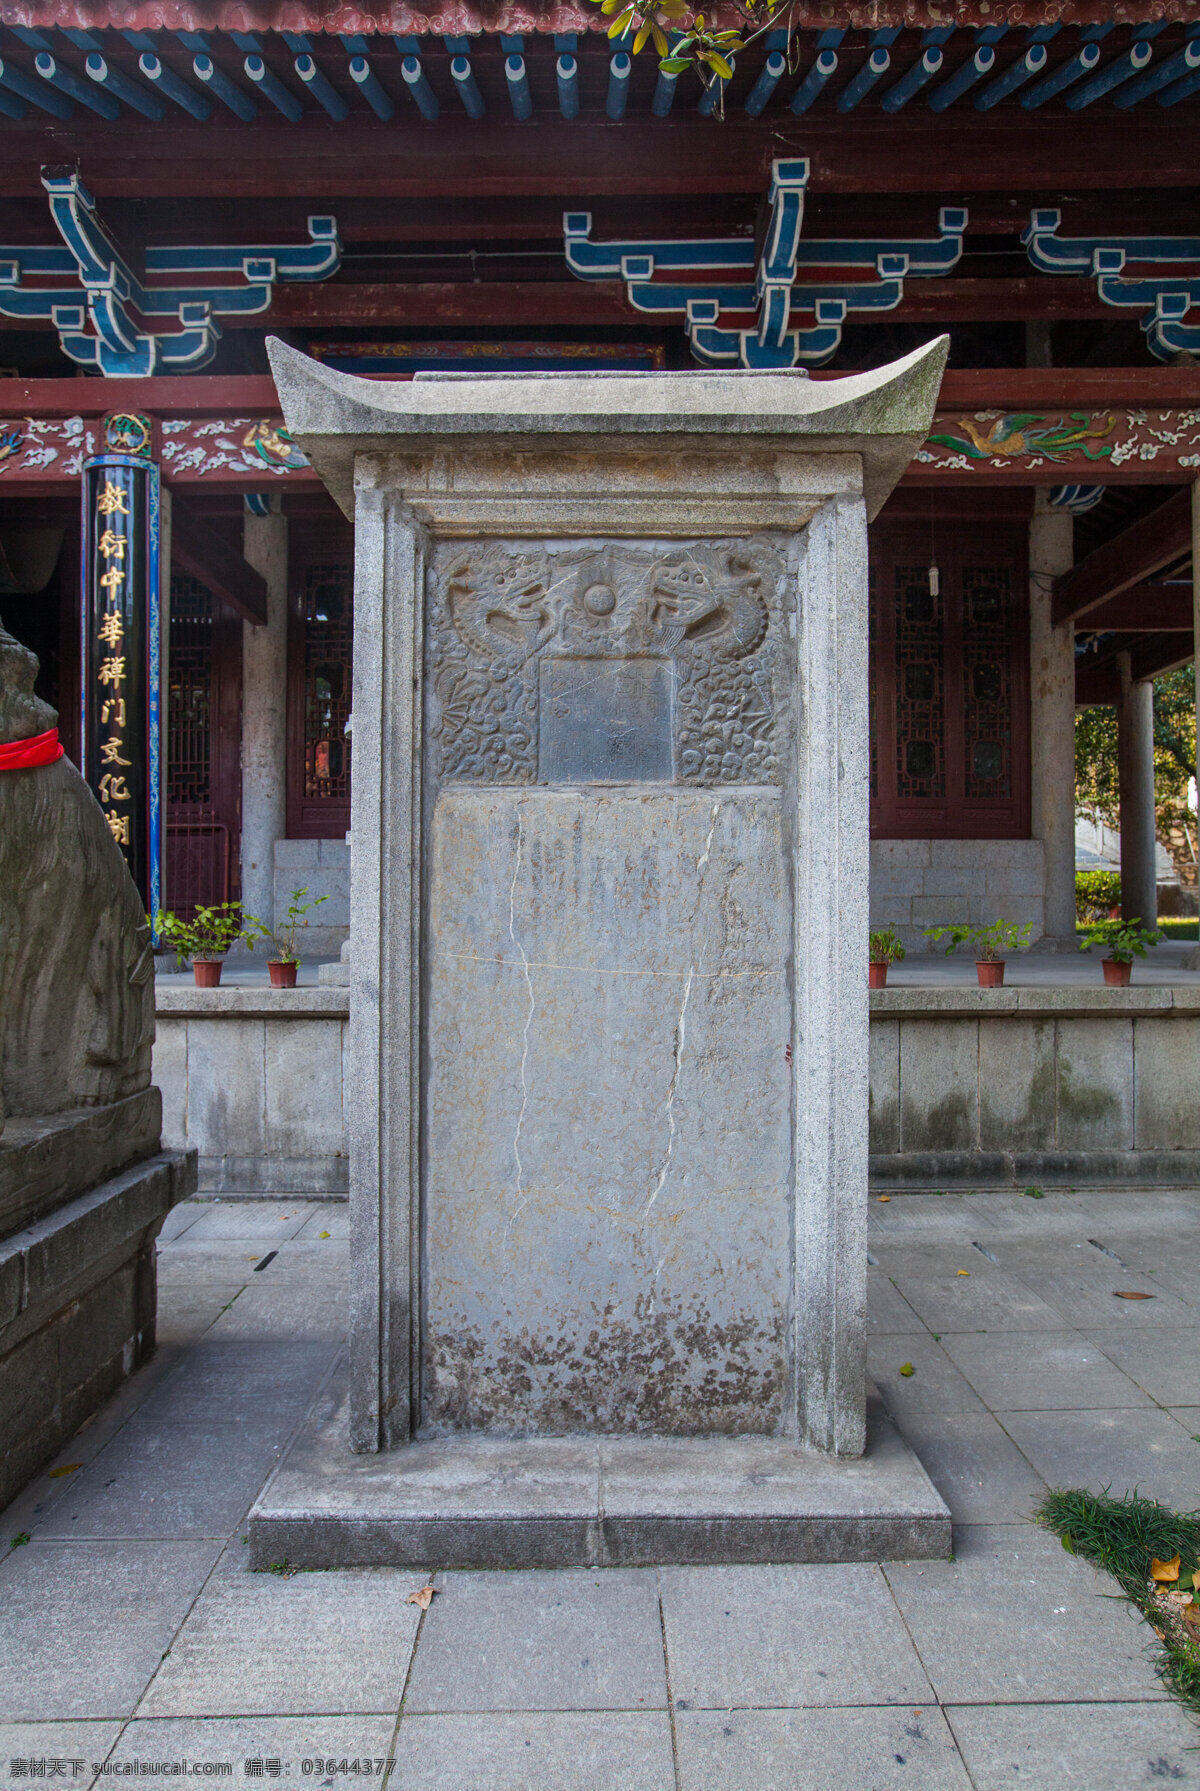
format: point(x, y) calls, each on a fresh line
point(40, 749)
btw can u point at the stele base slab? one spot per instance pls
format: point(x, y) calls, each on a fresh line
point(600, 1501)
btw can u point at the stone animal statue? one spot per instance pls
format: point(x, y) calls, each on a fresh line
point(76, 968)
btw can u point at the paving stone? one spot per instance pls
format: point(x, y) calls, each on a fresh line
point(88, 1743)
point(977, 1468)
point(575, 1639)
point(276, 1220)
point(1041, 1371)
point(537, 1751)
point(1165, 1364)
point(259, 1644)
point(935, 1384)
point(908, 1259)
point(179, 1479)
point(812, 1750)
point(86, 1624)
point(259, 1377)
point(180, 1219)
point(927, 1213)
point(887, 1310)
point(974, 1302)
point(292, 1741)
point(786, 1636)
point(1122, 1450)
point(286, 1309)
point(1015, 1619)
point(1059, 1747)
point(330, 1216)
point(186, 1313)
point(1088, 1298)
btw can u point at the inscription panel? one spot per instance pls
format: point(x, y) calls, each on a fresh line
point(695, 630)
point(604, 720)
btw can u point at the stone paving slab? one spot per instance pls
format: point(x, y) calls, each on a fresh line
point(86, 1624)
point(578, 1640)
point(276, 1220)
point(814, 1750)
point(181, 1479)
point(257, 1644)
point(1123, 1450)
point(887, 1310)
point(974, 1302)
point(20, 1743)
point(1068, 1747)
point(542, 1751)
point(1041, 1371)
point(1014, 1619)
point(935, 1384)
point(975, 1465)
point(1091, 1297)
point(795, 1635)
point(291, 1742)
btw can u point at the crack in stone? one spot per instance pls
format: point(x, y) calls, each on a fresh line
point(680, 1037)
point(522, 1196)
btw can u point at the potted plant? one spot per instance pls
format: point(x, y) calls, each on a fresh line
point(1125, 939)
point(282, 967)
point(207, 937)
point(885, 949)
point(989, 942)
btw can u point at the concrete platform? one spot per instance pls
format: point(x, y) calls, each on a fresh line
point(592, 1502)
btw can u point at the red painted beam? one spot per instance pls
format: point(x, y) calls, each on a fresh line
point(1145, 609)
point(591, 158)
point(196, 548)
point(181, 394)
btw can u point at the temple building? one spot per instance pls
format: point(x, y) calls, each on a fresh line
point(399, 193)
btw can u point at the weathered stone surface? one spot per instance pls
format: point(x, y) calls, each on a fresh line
point(47, 1160)
point(76, 972)
point(77, 1308)
point(607, 1202)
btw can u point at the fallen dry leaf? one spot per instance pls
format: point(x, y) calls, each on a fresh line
point(883, 1199)
point(72, 1467)
point(422, 1596)
point(1196, 1580)
point(323, 1234)
point(1117, 1295)
point(1164, 1571)
point(964, 1271)
point(907, 1369)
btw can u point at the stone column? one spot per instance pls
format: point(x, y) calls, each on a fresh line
point(1135, 755)
point(1052, 717)
point(264, 717)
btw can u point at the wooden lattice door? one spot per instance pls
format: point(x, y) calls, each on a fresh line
point(949, 681)
point(204, 703)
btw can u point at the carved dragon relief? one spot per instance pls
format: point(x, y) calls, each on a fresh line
point(495, 611)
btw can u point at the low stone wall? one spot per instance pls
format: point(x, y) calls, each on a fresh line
point(252, 1079)
point(980, 1087)
point(928, 883)
point(969, 1087)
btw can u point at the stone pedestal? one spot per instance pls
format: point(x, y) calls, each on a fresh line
point(609, 911)
point(84, 1187)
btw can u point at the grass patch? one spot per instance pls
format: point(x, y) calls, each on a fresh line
point(1123, 1536)
point(1178, 928)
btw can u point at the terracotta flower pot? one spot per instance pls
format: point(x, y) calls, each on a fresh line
point(877, 973)
point(283, 976)
point(1116, 975)
point(207, 972)
point(990, 972)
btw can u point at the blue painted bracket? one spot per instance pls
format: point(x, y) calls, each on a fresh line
point(1165, 299)
point(112, 329)
point(716, 311)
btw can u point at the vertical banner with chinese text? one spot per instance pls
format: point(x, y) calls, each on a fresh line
point(120, 662)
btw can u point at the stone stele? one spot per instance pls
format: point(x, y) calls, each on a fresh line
point(84, 1187)
point(608, 970)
